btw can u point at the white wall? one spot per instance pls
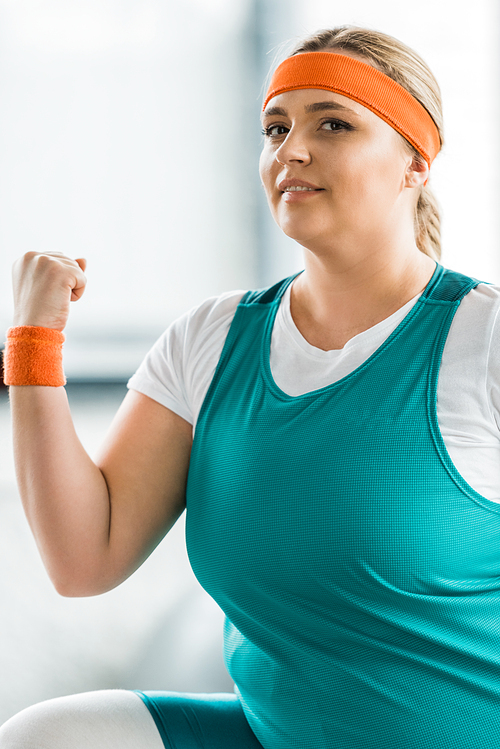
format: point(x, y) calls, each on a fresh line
point(123, 139)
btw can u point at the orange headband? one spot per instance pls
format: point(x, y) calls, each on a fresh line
point(365, 84)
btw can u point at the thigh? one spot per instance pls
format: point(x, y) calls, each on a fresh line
point(106, 719)
point(200, 721)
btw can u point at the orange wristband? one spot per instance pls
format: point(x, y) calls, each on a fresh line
point(33, 356)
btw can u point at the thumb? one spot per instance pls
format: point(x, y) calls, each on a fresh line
point(81, 262)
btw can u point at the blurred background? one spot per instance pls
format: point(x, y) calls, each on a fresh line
point(130, 135)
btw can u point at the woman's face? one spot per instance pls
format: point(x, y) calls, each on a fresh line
point(354, 163)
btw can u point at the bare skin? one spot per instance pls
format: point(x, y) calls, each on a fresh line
point(361, 259)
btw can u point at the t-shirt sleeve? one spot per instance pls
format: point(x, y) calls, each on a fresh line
point(177, 370)
point(160, 374)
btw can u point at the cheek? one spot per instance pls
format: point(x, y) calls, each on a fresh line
point(263, 164)
point(386, 162)
point(266, 172)
point(369, 173)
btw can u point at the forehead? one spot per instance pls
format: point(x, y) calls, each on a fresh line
point(313, 100)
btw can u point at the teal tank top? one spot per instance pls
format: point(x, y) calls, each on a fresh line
point(359, 572)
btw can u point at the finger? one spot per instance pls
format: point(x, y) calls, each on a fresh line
point(81, 262)
point(77, 293)
point(80, 281)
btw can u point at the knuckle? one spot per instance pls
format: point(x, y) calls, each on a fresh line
point(48, 261)
point(42, 257)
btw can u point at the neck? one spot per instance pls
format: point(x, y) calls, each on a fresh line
point(336, 298)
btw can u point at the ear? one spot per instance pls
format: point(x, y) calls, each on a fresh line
point(417, 173)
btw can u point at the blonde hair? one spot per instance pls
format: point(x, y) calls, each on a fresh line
point(407, 68)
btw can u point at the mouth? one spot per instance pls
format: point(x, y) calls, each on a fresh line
point(297, 186)
point(302, 189)
point(297, 190)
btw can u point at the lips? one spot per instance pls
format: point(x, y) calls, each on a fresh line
point(286, 183)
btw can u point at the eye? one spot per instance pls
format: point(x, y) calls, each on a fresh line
point(272, 131)
point(336, 125)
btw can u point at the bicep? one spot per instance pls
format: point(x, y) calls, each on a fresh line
point(145, 462)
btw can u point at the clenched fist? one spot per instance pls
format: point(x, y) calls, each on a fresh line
point(44, 285)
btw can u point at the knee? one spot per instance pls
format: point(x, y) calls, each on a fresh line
point(113, 717)
point(17, 732)
point(35, 727)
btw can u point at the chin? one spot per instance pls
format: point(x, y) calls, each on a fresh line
point(301, 232)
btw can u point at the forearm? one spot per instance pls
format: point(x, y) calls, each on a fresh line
point(94, 522)
point(64, 493)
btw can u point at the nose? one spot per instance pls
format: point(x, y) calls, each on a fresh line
point(294, 149)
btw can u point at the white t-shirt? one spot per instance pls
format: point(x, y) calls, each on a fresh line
point(178, 370)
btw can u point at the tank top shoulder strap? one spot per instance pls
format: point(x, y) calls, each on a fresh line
point(448, 287)
point(445, 287)
point(270, 294)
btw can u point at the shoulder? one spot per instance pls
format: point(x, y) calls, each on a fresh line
point(481, 304)
point(485, 290)
point(213, 311)
point(177, 366)
point(474, 327)
point(202, 329)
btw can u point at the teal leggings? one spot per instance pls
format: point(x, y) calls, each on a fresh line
point(200, 721)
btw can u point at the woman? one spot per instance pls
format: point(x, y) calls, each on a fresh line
point(343, 485)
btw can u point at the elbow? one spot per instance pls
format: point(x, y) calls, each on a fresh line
point(80, 584)
point(72, 589)
point(78, 589)
point(83, 576)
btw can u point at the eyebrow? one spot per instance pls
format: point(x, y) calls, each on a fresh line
point(319, 106)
